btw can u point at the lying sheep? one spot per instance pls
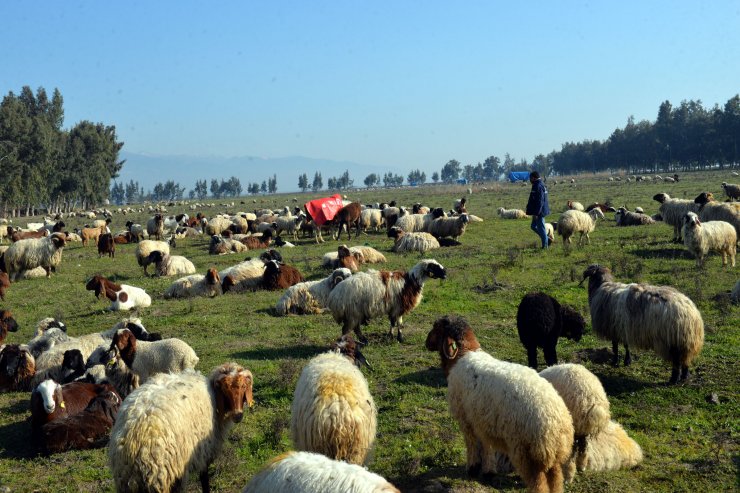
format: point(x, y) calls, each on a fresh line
point(700, 238)
point(412, 242)
point(346, 259)
point(195, 285)
point(26, 255)
point(363, 254)
point(573, 205)
point(572, 222)
point(122, 296)
point(279, 276)
point(17, 368)
point(159, 438)
point(511, 213)
point(503, 407)
point(146, 247)
point(338, 421)
point(170, 265)
point(310, 297)
point(644, 316)
point(623, 217)
point(222, 246)
point(609, 450)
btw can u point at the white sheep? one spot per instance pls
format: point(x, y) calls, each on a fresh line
point(371, 219)
point(122, 296)
point(145, 247)
point(363, 254)
point(289, 224)
point(159, 437)
point(414, 223)
point(333, 412)
point(650, 317)
point(732, 191)
point(573, 221)
point(171, 265)
point(511, 213)
point(244, 276)
point(195, 285)
point(709, 210)
point(155, 227)
point(304, 472)
point(673, 210)
point(623, 217)
point(503, 407)
point(46, 340)
point(700, 238)
point(371, 294)
point(217, 225)
point(412, 242)
point(309, 297)
point(573, 205)
point(32, 253)
point(448, 226)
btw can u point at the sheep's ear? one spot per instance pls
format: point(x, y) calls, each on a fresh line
point(100, 289)
point(361, 360)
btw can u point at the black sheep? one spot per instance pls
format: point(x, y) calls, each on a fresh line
point(541, 320)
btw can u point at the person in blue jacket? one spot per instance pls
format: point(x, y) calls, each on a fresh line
point(538, 207)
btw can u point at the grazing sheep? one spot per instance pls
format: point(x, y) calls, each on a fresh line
point(146, 247)
point(673, 210)
point(511, 213)
point(279, 276)
point(609, 450)
point(573, 221)
point(371, 294)
point(159, 438)
point(644, 316)
point(333, 412)
point(348, 216)
point(448, 226)
point(170, 265)
point(412, 242)
point(541, 320)
point(90, 234)
point(309, 297)
point(101, 224)
point(573, 205)
point(106, 245)
point(155, 227)
point(222, 246)
point(503, 407)
point(195, 285)
point(371, 219)
point(26, 255)
point(732, 191)
point(17, 368)
point(7, 324)
point(122, 296)
point(623, 217)
point(702, 237)
point(709, 210)
point(136, 230)
point(289, 224)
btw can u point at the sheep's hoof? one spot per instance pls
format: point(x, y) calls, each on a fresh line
point(363, 340)
point(685, 373)
point(399, 337)
point(627, 361)
point(674, 377)
point(474, 470)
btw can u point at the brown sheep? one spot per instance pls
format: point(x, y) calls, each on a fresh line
point(88, 234)
point(50, 401)
point(7, 324)
point(106, 245)
point(258, 242)
point(348, 215)
point(345, 258)
point(4, 284)
point(17, 368)
point(279, 276)
point(24, 235)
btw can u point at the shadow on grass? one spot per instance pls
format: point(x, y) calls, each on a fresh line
point(432, 377)
point(16, 437)
point(439, 479)
point(295, 351)
point(670, 253)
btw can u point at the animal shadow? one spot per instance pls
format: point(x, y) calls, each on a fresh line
point(296, 351)
point(670, 253)
point(432, 377)
point(15, 437)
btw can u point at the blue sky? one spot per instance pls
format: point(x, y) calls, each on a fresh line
point(395, 83)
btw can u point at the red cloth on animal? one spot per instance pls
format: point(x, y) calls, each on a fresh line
point(322, 210)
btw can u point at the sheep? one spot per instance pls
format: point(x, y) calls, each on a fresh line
point(136, 230)
point(216, 226)
point(363, 254)
point(573, 221)
point(122, 296)
point(172, 222)
point(306, 472)
point(170, 265)
point(511, 213)
point(310, 297)
point(146, 247)
point(602, 207)
point(503, 407)
point(371, 219)
point(459, 205)
point(550, 231)
point(51, 401)
point(412, 242)
point(702, 237)
point(367, 295)
point(673, 210)
point(159, 438)
point(243, 276)
point(73, 366)
point(644, 316)
point(541, 320)
point(46, 340)
point(732, 191)
point(84, 430)
point(72, 237)
point(195, 285)
point(289, 224)
point(448, 226)
point(414, 223)
point(709, 210)
point(573, 205)
point(624, 217)
point(26, 255)
point(7, 324)
point(147, 358)
point(18, 235)
point(279, 276)
point(155, 227)
point(609, 450)
point(333, 412)
point(101, 224)
point(345, 258)
point(90, 234)
point(106, 245)
point(17, 368)
point(258, 242)
point(348, 216)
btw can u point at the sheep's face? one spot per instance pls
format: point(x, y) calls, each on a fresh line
point(452, 337)
point(660, 197)
point(51, 393)
point(233, 388)
point(691, 220)
point(347, 346)
point(212, 277)
point(7, 322)
point(123, 346)
point(340, 275)
point(435, 270)
point(72, 362)
point(58, 240)
point(703, 198)
point(15, 364)
point(96, 284)
point(228, 283)
point(573, 324)
point(155, 257)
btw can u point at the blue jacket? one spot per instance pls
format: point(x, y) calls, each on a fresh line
point(537, 204)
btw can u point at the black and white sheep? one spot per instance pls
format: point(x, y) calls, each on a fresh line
point(371, 294)
point(644, 316)
point(541, 320)
point(700, 238)
point(26, 255)
point(170, 265)
point(310, 297)
point(159, 438)
point(146, 247)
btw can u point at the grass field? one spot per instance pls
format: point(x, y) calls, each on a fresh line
point(689, 443)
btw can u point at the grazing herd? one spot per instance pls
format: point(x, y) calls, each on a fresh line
point(161, 420)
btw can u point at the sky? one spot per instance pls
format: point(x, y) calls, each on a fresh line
point(406, 84)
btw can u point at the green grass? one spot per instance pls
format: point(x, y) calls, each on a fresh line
point(689, 443)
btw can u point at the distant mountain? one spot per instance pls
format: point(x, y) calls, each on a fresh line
point(150, 169)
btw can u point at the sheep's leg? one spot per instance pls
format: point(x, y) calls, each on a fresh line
point(360, 335)
point(684, 373)
point(615, 349)
point(551, 356)
point(555, 479)
point(532, 357)
point(532, 474)
point(205, 482)
point(473, 448)
point(48, 271)
point(627, 356)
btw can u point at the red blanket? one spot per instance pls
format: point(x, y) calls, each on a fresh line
point(323, 210)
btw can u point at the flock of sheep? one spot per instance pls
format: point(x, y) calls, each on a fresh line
point(166, 420)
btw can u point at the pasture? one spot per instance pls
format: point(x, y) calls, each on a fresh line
point(689, 433)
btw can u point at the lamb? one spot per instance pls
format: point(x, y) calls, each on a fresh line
point(573, 221)
point(26, 255)
point(448, 226)
point(337, 420)
point(136, 230)
point(348, 216)
point(279, 276)
point(673, 210)
point(195, 285)
point(170, 265)
point(122, 296)
point(155, 227)
point(644, 316)
point(90, 234)
point(146, 456)
point(702, 237)
point(503, 407)
point(627, 218)
point(732, 191)
point(146, 247)
point(106, 245)
point(412, 242)
point(367, 295)
point(541, 320)
point(258, 242)
point(310, 297)
point(573, 205)
point(511, 213)
point(305, 472)
point(17, 368)
point(709, 210)
point(289, 224)
point(371, 219)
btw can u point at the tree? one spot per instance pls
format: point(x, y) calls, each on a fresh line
point(332, 184)
point(450, 171)
point(492, 168)
point(134, 193)
point(117, 193)
point(318, 182)
point(263, 187)
point(435, 177)
point(417, 177)
point(371, 180)
point(254, 188)
point(201, 189)
point(272, 184)
point(303, 182)
point(215, 189)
